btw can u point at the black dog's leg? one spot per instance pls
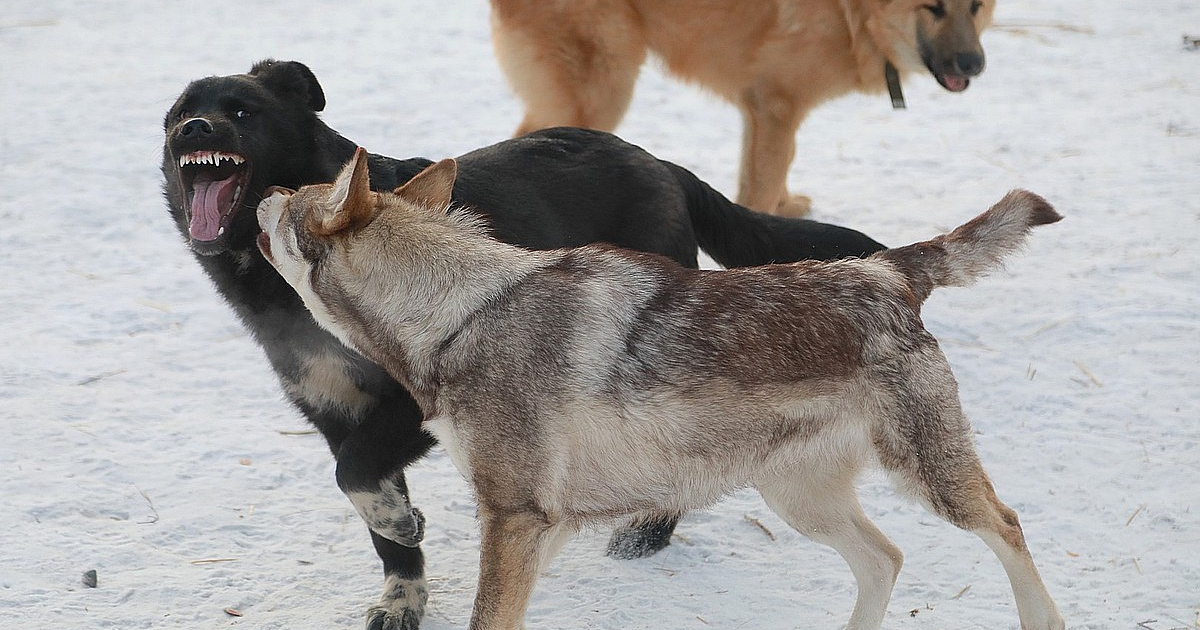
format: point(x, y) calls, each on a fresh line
point(404, 591)
point(370, 471)
point(643, 536)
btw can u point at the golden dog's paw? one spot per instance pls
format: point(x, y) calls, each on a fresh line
point(794, 206)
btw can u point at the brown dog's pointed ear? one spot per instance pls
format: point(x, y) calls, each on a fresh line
point(351, 202)
point(431, 188)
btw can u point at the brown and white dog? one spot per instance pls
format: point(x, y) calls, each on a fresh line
point(576, 385)
point(575, 62)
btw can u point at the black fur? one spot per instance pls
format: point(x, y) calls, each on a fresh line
point(554, 188)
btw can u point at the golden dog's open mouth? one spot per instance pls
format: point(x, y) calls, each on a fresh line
point(953, 82)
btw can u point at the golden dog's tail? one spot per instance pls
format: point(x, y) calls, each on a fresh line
point(973, 249)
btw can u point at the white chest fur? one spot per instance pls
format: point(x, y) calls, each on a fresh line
point(442, 428)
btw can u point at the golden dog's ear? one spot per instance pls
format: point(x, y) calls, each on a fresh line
point(432, 187)
point(351, 203)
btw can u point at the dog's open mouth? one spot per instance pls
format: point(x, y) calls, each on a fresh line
point(953, 82)
point(214, 184)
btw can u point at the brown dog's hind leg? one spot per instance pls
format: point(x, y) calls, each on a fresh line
point(930, 451)
point(971, 503)
point(968, 500)
point(1003, 534)
point(821, 504)
point(567, 67)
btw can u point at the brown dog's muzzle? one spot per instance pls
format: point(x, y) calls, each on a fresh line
point(271, 190)
point(264, 246)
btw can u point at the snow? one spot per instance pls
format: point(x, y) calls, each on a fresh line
point(143, 435)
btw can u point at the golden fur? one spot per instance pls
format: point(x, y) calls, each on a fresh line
point(575, 62)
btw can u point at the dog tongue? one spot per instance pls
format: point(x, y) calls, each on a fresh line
point(954, 83)
point(209, 196)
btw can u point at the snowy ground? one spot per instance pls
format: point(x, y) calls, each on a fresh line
point(142, 434)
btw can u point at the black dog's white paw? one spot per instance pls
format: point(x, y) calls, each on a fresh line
point(388, 513)
point(409, 531)
point(383, 619)
point(402, 605)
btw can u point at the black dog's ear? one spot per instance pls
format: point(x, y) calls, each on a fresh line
point(291, 78)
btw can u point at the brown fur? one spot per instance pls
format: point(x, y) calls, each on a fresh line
point(572, 386)
point(575, 62)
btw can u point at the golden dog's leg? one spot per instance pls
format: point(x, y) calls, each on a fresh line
point(821, 504)
point(770, 120)
point(569, 68)
point(514, 547)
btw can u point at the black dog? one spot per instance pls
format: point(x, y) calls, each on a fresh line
point(229, 138)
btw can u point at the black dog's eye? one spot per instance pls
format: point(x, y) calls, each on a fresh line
point(976, 6)
point(938, 9)
point(242, 113)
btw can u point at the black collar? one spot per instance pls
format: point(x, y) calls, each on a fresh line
point(892, 76)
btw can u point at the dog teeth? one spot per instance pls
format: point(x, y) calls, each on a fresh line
point(211, 158)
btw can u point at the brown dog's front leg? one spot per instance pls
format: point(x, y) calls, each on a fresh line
point(511, 552)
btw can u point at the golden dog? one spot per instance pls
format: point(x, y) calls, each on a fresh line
point(575, 62)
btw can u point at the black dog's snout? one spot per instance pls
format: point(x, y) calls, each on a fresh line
point(196, 127)
point(968, 63)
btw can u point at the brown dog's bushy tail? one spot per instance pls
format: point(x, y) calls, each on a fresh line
point(973, 249)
